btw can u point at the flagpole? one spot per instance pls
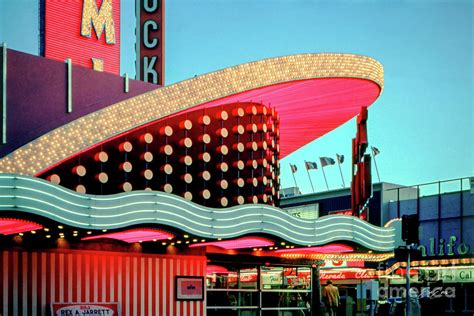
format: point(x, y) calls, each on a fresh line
point(312, 187)
point(340, 170)
point(294, 178)
point(376, 168)
point(325, 180)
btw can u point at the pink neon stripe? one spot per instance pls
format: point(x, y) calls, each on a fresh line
point(239, 243)
point(333, 248)
point(135, 235)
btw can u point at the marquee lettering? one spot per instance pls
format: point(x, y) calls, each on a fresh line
point(149, 41)
point(101, 19)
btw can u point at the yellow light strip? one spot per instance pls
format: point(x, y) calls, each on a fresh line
point(353, 257)
point(91, 129)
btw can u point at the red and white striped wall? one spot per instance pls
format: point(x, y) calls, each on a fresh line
point(143, 284)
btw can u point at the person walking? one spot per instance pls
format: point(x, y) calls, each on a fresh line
point(415, 307)
point(331, 298)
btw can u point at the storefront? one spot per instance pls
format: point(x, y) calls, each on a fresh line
point(259, 290)
point(445, 283)
point(112, 191)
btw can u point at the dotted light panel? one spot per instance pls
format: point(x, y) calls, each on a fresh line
point(218, 157)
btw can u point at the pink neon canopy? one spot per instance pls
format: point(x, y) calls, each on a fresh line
point(331, 248)
point(9, 226)
point(310, 108)
point(135, 235)
point(239, 243)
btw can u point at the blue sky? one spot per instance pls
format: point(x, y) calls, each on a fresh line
point(422, 123)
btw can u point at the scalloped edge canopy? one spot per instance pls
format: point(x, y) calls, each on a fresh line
point(314, 94)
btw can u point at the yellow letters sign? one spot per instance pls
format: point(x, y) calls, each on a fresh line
point(99, 19)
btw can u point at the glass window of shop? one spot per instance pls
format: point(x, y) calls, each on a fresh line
point(258, 290)
point(285, 289)
point(233, 289)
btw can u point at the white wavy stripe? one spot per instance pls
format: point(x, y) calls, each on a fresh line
point(347, 217)
point(153, 220)
point(207, 218)
point(216, 224)
point(51, 196)
point(51, 205)
point(54, 216)
point(193, 214)
point(167, 196)
point(334, 238)
point(138, 211)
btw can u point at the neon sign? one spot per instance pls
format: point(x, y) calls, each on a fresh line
point(150, 35)
point(346, 275)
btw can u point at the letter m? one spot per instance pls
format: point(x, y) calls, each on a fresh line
point(100, 19)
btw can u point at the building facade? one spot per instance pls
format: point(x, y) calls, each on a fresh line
point(444, 210)
point(126, 197)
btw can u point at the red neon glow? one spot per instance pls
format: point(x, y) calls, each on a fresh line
point(239, 243)
point(135, 235)
point(403, 271)
point(333, 248)
point(342, 264)
point(9, 226)
point(211, 269)
point(345, 275)
point(309, 108)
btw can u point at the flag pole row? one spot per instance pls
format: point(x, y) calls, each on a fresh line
point(328, 161)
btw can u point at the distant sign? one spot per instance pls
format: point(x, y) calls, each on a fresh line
point(84, 309)
point(442, 247)
point(189, 288)
point(447, 275)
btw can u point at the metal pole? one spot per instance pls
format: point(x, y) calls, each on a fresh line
point(3, 92)
point(69, 85)
point(439, 210)
point(312, 187)
point(294, 178)
point(126, 87)
point(342, 177)
point(325, 180)
point(407, 295)
point(376, 168)
point(315, 291)
point(461, 212)
point(398, 202)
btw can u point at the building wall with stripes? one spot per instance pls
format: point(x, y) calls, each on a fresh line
point(142, 284)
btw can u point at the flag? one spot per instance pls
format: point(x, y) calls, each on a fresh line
point(326, 161)
point(310, 165)
point(340, 158)
point(375, 151)
point(293, 168)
